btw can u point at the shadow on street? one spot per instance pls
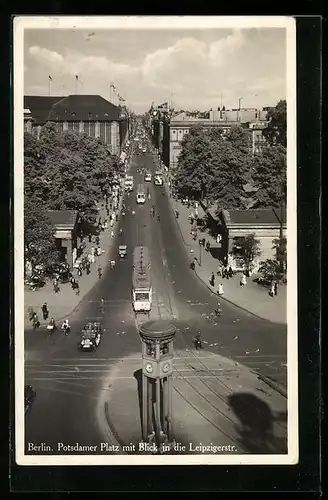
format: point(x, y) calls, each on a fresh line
point(257, 424)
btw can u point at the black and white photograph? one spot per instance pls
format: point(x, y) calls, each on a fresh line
point(155, 240)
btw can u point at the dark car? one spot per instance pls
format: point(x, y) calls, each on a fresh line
point(90, 336)
point(29, 395)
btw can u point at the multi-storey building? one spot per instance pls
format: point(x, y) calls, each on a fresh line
point(168, 131)
point(90, 114)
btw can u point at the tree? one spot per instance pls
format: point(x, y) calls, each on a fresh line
point(39, 238)
point(269, 175)
point(276, 131)
point(69, 171)
point(269, 269)
point(212, 167)
point(248, 248)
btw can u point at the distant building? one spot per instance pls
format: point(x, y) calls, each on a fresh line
point(168, 129)
point(90, 114)
point(65, 224)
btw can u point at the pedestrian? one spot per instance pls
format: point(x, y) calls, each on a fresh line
point(77, 288)
point(192, 266)
point(36, 322)
point(97, 240)
point(45, 311)
point(112, 234)
point(56, 286)
point(116, 217)
point(230, 272)
point(112, 264)
point(220, 290)
point(90, 237)
point(99, 272)
point(98, 251)
point(212, 280)
point(87, 267)
point(79, 271)
point(208, 246)
point(243, 281)
point(275, 288)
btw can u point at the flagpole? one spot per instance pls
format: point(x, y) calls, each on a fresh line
point(49, 85)
point(76, 86)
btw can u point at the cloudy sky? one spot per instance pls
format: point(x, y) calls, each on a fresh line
point(190, 67)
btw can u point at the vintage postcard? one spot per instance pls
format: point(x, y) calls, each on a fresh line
point(155, 240)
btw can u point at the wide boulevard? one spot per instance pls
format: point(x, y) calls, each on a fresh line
point(68, 382)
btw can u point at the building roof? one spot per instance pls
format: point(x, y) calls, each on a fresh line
point(84, 108)
point(63, 218)
point(265, 216)
point(40, 106)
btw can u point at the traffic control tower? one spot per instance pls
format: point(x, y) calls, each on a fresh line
point(157, 370)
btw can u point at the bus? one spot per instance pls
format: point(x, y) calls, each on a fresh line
point(128, 183)
point(158, 179)
point(141, 195)
point(141, 281)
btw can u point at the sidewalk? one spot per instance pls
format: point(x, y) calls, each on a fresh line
point(63, 303)
point(252, 297)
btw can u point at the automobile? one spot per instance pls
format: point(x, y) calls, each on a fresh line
point(29, 396)
point(148, 177)
point(144, 150)
point(90, 336)
point(122, 250)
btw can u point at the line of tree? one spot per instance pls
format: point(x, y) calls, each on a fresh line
point(62, 171)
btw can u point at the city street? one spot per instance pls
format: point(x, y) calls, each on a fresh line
point(71, 385)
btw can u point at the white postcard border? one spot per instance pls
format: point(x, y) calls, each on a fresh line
point(21, 23)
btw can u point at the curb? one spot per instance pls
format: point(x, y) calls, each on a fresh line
point(213, 293)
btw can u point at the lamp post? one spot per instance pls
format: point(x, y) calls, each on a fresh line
point(200, 252)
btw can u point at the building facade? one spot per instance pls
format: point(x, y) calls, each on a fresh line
point(65, 224)
point(180, 125)
point(90, 114)
point(168, 130)
point(265, 224)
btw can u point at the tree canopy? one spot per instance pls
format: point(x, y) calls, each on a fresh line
point(67, 170)
point(213, 166)
point(269, 174)
point(276, 131)
point(39, 239)
point(62, 171)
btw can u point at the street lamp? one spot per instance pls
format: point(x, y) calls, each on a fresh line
point(200, 251)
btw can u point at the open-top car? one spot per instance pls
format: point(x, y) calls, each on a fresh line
point(122, 251)
point(91, 336)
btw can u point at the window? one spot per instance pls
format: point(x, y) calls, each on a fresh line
point(142, 296)
point(102, 130)
point(92, 130)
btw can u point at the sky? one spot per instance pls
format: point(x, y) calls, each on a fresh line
point(190, 68)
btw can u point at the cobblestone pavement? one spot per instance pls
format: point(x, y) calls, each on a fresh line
point(253, 298)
